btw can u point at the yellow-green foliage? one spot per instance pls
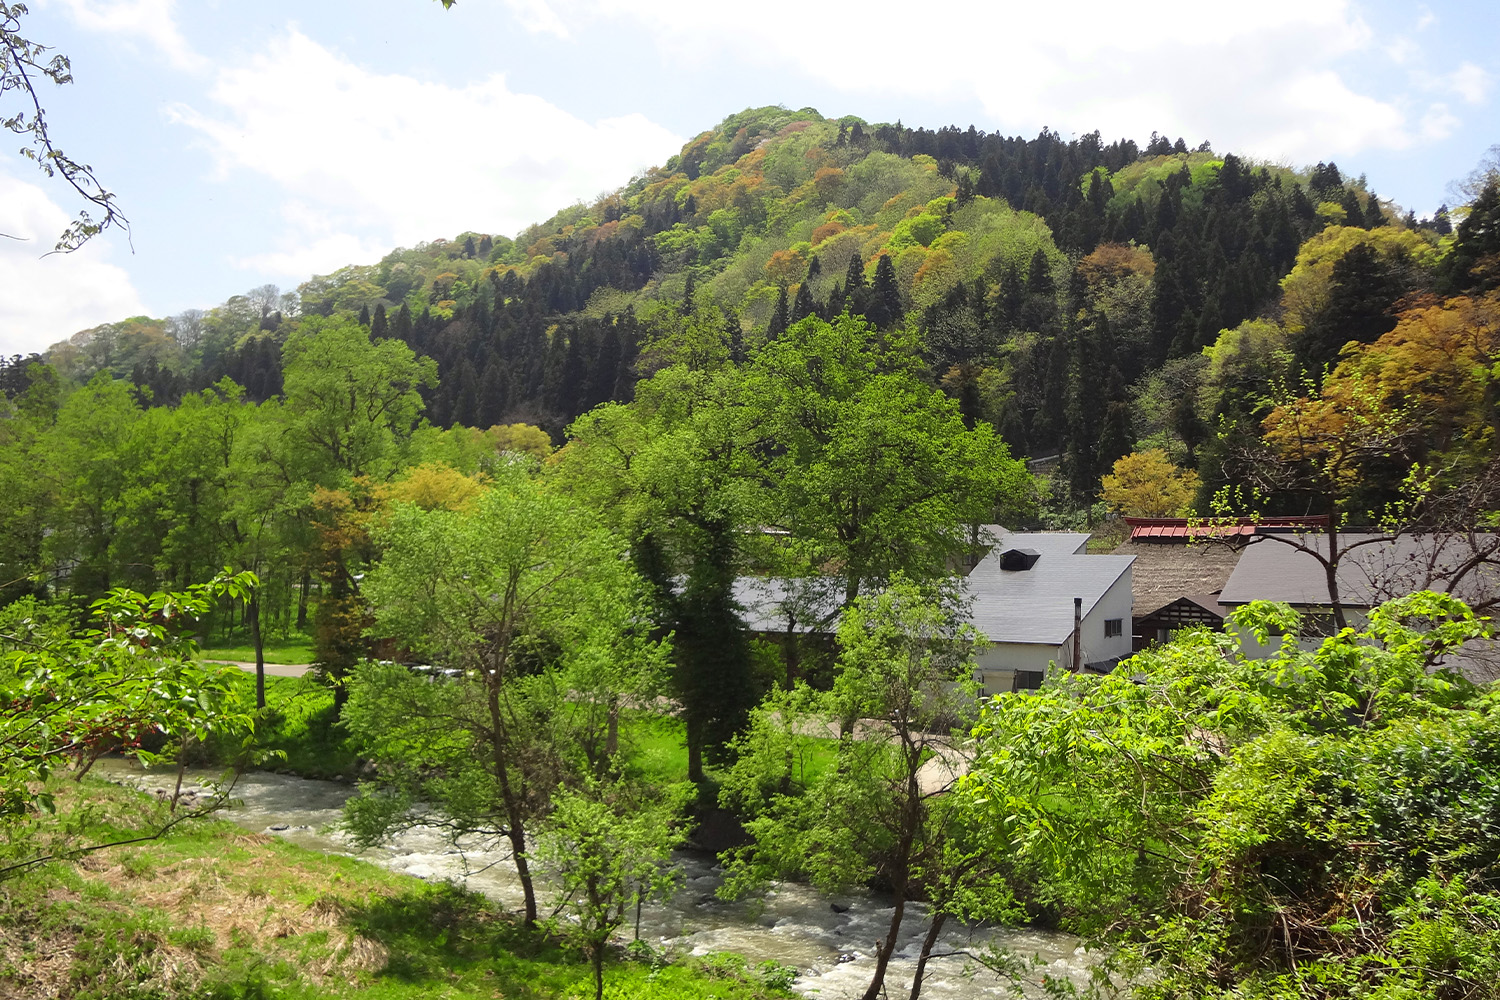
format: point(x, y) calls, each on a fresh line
point(1304, 292)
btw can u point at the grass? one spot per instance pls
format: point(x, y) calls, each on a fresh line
point(658, 749)
point(657, 745)
point(295, 648)
point(212, 911)
point(301, 724)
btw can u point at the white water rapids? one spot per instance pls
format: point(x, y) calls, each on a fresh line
point(793, 924)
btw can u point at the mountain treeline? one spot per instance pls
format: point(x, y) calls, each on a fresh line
point(1088, 300)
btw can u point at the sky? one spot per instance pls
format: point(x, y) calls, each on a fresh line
point(265, 142)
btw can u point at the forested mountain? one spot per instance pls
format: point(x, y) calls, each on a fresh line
point(1085, 299)
point(1046, 275)
point(814, 350)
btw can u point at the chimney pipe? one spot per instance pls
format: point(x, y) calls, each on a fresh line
point(1077, 633)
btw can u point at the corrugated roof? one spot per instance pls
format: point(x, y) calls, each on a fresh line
point(1182, 528)
point(772, 604)
point(1034, 605)
point(1376, 568)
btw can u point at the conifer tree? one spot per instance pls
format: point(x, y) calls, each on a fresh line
point(1441, 224)
point(492, 395)
point(402, 328)
point(1474, 265)
point(885, 309)
point(379, 327)
point(803, 306)
point(780, 317)
point(735, 336)
point(466, 396)
point(854, 295)
point(606, 367)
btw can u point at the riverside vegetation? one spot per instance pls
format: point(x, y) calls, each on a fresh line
point(808, 348)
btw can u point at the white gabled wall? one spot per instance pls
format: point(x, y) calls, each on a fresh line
point(1115, 603)
point(996, 667)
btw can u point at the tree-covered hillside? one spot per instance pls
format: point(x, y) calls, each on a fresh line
point(544, 471)
point(1086, 299)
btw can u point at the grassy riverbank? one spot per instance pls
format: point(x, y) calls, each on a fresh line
point(296, 648)
point(212, 911)
point(302, 726)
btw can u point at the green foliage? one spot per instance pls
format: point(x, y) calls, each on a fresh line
point(1265, 827)
point(608, 845)
point(535, 614)
point(876, 470)
point(350, 399)
point(876, 814)
point(125, 681)
point(210, 911)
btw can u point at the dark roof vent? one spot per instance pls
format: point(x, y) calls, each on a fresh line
point(1018, 560)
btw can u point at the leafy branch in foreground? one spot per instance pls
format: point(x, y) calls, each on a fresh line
point(23, 64)
point(126, 681)
point(1317, 824)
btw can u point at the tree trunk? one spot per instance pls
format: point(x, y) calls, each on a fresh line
point(596, 956)
point(695, 750)
point(1331, 570)
point(885, 949)
point(911, 819)
point(302, 599)
point(510, 803)
point(793, 657)
point(523, 868)
point(260, 648)
point(928, 943)
point(612, 734)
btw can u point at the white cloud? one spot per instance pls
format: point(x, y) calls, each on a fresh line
point(1439, 123)
point(370, 159)
point(1260, 78)
point(52, 297)
point(148, 20)
point(537, 16)
point(1469, 82)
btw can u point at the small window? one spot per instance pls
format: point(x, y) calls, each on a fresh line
point(1113, 627)
point(1028, 680)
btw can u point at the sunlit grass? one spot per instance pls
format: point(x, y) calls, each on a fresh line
point(213, 911)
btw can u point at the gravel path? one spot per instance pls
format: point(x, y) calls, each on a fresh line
point(272, 669)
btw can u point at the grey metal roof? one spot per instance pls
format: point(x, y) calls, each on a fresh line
point(1377, 570)
point(804, 604)
point(1034, 605)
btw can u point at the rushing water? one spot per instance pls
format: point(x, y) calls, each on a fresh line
point(831, 945)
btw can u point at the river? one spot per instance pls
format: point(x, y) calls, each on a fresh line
point(830, 942)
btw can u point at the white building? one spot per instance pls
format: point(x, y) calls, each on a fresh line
point(1372, 569)
point(1025, 593)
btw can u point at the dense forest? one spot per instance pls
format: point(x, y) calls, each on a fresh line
point(824, 351)
point(1082, 298)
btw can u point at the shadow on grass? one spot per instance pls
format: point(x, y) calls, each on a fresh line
point(442, 932)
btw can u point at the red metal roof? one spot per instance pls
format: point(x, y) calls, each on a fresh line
point(1162, 528)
